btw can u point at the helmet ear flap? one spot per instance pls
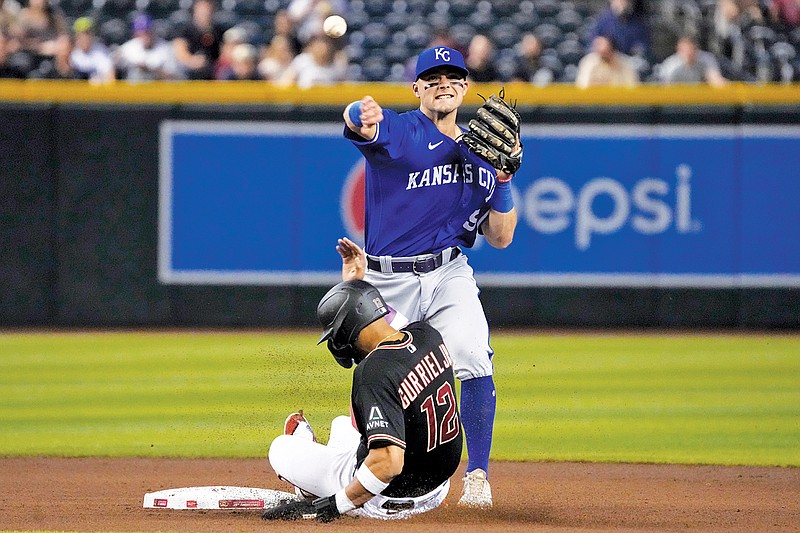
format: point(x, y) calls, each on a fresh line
point(344, 355)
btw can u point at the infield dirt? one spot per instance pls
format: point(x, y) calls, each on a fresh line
point(100, 494)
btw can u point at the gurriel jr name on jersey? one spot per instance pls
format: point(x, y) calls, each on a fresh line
point(423, 373)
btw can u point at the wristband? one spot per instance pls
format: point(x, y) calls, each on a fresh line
point(502, 200)
point(343, 503)
point(354, 113)
point(369, 481)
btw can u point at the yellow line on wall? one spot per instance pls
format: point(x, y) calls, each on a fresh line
point(386, 94)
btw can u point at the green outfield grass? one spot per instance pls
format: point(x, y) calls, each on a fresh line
point(717, 399)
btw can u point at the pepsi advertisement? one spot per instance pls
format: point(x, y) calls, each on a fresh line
point(251, 203)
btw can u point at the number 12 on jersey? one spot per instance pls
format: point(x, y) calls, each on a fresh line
point(448, 428)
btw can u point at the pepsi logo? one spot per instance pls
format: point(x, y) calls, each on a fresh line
point(352, 202)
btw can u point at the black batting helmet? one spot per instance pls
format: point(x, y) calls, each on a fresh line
point(343, 312)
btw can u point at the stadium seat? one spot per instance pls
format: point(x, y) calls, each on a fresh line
point(549, 35)
point(397, 73)
point(114, 32)
point(794, 37)
point(117, 8)
point(462, 34)
point(355, 53)
point(179, 19)
point(419, 35)
point(506, 70)
point(164, 28)
point(162, 8)
point(526, 22)
point(377, 8)
point(273, 6)
point(570, 51)
point(229, 19)
point(569, 74)
point(250, 8)
point(254, 30)
point(396, 21)
point(376, 35)
point(784, 54)
point(505, 8)
point(547, 9)
point(551, 62)
point(440, 21)
point(463, 8)
point(707, 8)
point(482, 21)
point(762, 34)
point(421, 7)
point(528, 8)
point(506, 67)
point(569, 21)
point(374, 68)
point(76, 8)
point(397, 53)
point(354, 72)
point(357, 19)
point(505, 35)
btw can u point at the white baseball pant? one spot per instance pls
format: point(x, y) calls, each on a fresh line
point(446, 298)
point(323, 470)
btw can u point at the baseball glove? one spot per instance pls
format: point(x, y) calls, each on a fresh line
point(321, 509)
point(493, 134)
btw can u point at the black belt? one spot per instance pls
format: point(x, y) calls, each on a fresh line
point(419, 265)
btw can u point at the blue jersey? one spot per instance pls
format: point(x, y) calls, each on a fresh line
point(424, 191)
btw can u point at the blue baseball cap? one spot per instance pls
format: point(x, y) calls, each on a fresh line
point(441, 56)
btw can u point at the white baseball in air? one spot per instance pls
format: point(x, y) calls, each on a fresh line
point(334, 26)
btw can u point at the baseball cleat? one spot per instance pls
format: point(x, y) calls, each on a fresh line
point(297, 425)
point(477, 492)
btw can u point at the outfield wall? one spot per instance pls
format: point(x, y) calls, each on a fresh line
point(193, 204)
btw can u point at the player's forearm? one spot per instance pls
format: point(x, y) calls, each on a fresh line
point(380, 467)
point(499, 228)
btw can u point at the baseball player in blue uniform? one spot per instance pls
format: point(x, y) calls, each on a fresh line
point(427, 197)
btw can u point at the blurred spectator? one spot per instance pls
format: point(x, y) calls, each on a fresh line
point(751, 9)
point(308, 16)
point(146, 57)
point(318, 64)
point(7, 67)
point(480, 59)
point(276, 59)
point(90, 57)
point(244, 63)
point(624, 21)
point(58, 66)
point(9, 10)
point(691, 65)
point(284, 26)
point(785, 13)
point(197, 45)
point(40, 28)
point(605, 66)
point(230, 40)
point(529, 55)
point(727, 39)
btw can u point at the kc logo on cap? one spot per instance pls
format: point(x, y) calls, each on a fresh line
point(441, 56)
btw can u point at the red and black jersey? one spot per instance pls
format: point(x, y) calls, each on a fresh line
point(404, 395)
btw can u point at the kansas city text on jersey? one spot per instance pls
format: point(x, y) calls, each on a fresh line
point(449, 173)
point(423, 374)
